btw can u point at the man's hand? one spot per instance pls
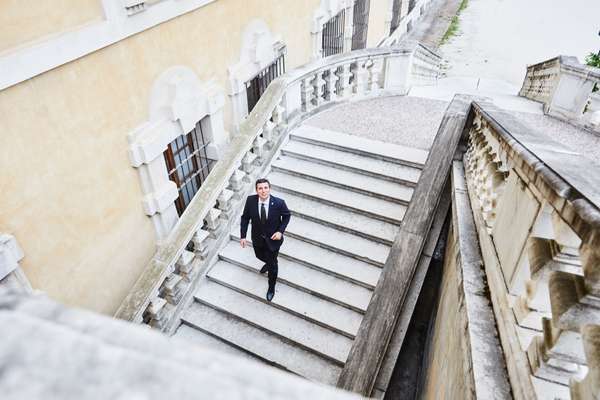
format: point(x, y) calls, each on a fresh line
point(276, 236)
point(243, 243)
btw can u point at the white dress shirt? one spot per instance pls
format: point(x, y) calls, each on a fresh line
point(267, 201)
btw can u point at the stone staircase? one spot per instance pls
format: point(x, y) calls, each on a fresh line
point(347, 196)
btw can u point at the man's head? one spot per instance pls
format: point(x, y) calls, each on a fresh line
point(263, 188)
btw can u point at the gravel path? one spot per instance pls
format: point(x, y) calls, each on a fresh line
point(405, 120)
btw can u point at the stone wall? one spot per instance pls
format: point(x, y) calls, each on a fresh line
point(25, 21)
point(464, 359)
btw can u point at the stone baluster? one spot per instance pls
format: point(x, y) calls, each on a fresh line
point(279, 119)
point(201, 241)
point(344, 74)
point(213, 222)
point(360, 77)
point(374, 68)
point(224, 203)
point(268, 133)
point(158, 312)
point(307, 91)
point(589, 387)
point(258, 147)
point(249, 165)
point(319, 88)
point(331, 81)
point(236, 183)
point(172, 288)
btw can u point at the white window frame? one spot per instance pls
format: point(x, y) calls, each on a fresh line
point(327, 10)
point(178, 101)
point(260, 48)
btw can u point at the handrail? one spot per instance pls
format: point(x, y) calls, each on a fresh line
point(160, 291)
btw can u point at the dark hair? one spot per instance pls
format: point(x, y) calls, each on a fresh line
point(262, 180)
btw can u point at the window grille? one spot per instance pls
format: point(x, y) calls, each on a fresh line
point(188, 165)
point(360, 24)
point(256, 86)
point(333, 35)
point(395, 15)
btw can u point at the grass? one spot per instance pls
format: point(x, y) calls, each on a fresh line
point(453, 27)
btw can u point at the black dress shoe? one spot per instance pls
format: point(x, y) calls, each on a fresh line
point(264, 269)
point(270, 294)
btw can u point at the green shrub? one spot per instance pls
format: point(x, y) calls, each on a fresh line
point(593, 60)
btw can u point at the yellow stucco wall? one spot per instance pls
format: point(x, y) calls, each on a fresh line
point(25, 21)
point(378, 14)
point(69, 193)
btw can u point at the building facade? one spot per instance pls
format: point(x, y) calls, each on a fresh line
point(113, 111)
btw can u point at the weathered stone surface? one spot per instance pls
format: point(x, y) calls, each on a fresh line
point(53, 352)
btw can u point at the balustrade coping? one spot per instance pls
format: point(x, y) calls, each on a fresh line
point(192, 220)
point(568, 64)
point(566, 173)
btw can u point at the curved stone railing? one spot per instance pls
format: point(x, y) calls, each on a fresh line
point(536, 208)
point(566, 88)
point(167, 282)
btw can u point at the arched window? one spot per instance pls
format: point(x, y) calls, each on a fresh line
point(175, 149)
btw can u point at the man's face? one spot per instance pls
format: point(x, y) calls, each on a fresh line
point(263, 190)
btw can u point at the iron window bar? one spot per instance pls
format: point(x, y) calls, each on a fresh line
point(256, 86)
point(360, 21)
point(188, 165)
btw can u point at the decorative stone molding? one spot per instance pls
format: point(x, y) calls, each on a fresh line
point(327, 10)
point(259, 49)
point(178, 101)
point(10, 254)
point(11, 274)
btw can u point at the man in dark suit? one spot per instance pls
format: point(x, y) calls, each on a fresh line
point(270, 216)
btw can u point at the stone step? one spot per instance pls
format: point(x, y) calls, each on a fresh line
point(296, 330)
point(304, 305)
point(342, 219)
point(305, 278)
point(344, 179)
point(341, 266)
point(338, 241)
point(262, 345)
point(359, 145)
point(192, 335)
point(338, 197)
point(366, 165)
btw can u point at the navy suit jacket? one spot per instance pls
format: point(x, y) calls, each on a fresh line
point(277, 220)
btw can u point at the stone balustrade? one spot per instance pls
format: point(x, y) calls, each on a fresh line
point(567, 90)
point(167, 283)
point(538, 218)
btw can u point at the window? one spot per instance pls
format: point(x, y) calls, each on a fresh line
point(395, 15)
point(187, 165)
point(333, 35)
point(256, 86)
point(361, 24)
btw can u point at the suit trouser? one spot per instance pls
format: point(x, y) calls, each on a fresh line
point(269, 257)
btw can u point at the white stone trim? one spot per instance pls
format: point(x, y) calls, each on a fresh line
point(327, 10)
point(178, 101)
point(10, 254)
point(30, 60)
point(259, 49)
